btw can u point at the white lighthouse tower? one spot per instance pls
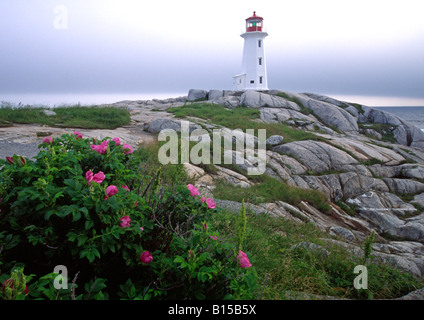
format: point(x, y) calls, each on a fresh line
point(253, 71)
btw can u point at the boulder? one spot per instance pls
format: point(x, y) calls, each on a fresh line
point(274, 140)
point(197, 94)
point(333, 116)
point(215, 94)
point(255, 99)
point(159, 124)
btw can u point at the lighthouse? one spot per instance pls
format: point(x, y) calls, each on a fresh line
point(253, 74)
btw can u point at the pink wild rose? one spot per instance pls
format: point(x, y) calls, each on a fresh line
point(126, 188)
point(193, 191)
point(99, 177)
point(203, 199)
point(101, 148)
point(125, 222)
point(210, 203)
point(89, 176)
point(78, 135)
point(127, 149)
point(117, 141)
point(243, 260)
point(111, 191)
point(48, 140)
point(146, 257)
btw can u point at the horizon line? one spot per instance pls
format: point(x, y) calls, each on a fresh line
point(366, 100)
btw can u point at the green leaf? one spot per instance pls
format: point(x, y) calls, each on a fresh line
point(39, 206)
point(76, 216)
point(81, 240)
point(71, 236)
point(89, 224)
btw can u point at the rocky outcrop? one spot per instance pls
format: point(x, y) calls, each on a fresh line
point(160, 124)
point(320, 112)
point(197, 94)
point(370, 183)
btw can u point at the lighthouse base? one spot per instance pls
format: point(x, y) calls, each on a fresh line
point(241, 83)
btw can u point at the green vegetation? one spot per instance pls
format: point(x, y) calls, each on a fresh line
point(285, 272)
point(90, 117)
point(270, 189)
point(240, 118)
point(123, 227)
point(386, 130)
point(283, 269)
point(74, 226)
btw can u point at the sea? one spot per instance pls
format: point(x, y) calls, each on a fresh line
point(414, 115)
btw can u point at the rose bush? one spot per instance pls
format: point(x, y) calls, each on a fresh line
point(121, 233)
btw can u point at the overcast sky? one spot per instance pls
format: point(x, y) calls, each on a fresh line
point(344, 48)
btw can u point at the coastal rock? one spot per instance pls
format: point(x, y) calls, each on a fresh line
point(255, 99)
point(364, 151)
point(157, 125)
point(414, 295)
point(328, 111)
point(274, 140)
point(273, 115)
point(197, 94)
point(404, 133)
point(342, 232)
point(334, 116)
point(383, 211)
point(215, 94)
point(317, 156)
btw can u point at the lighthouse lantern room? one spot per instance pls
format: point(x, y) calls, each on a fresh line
point(253, 74)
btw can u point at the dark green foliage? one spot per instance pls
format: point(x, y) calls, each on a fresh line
point(52, 215)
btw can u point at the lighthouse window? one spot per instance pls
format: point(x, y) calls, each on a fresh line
point(259, 43)
point(252, 81)
point(260, 61)
point(260, 80)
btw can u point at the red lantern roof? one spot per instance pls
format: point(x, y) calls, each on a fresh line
point(254, 23)
point(254, 17)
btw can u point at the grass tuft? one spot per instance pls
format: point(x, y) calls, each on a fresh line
point(90, 117)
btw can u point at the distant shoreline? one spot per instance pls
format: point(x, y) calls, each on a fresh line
point(52, 100)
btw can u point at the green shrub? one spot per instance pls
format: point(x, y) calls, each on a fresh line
point(121, 231)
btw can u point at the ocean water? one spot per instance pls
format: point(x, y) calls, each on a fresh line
point(413, 115)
